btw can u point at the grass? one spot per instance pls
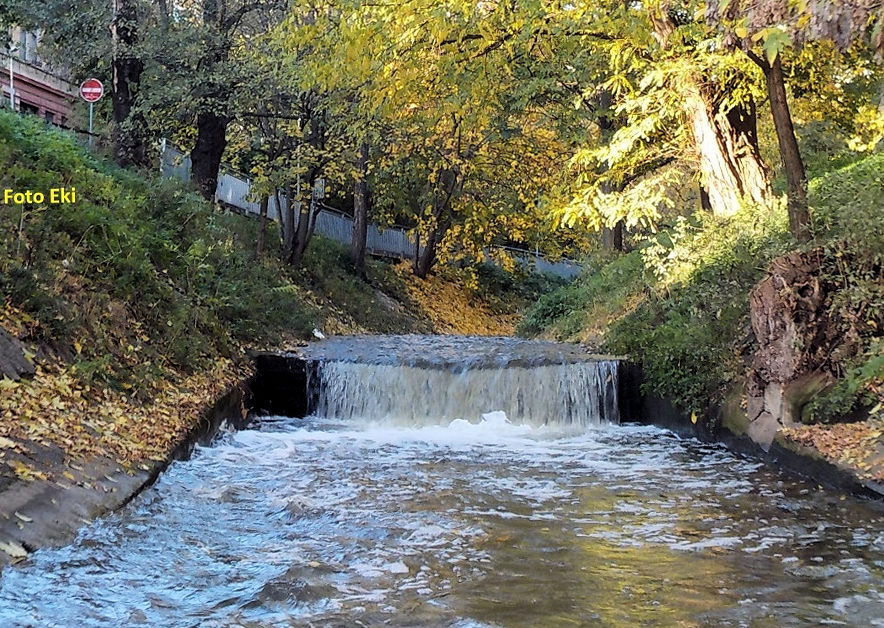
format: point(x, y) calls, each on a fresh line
point(137, 276)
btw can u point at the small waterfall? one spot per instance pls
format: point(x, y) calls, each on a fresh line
point(582, 394)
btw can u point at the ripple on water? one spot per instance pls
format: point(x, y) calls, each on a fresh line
point(470, 525)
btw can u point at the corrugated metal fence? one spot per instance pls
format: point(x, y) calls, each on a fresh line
point(234, 188)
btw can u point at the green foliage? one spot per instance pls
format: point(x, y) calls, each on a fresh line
point(860, 389)
point(689, 332)
point(849, 214)
point(679, 304)
point(592, 300)
point(850, 202)
point(144, 268)
point(326, 270)
point(682, 304)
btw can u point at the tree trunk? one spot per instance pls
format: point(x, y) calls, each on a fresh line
point(303, 231)
point(163, 7)
point(126, 71)
point(612, 237)
point(360, 211)
point(416, 254)
point(796, 178)
point(211, 140)
point(445, 187)
point(301, 234)
point(288, 225)
point(731, 168)
point(262, 224)
point(427, 256)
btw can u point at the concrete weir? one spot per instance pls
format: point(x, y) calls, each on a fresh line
point(414, 379)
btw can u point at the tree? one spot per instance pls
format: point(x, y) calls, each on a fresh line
point(221, 23)
point(763, 29)
point(439, 82)
point(360, 210)
point(126, 68)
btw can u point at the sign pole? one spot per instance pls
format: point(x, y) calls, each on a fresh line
point(90, 91)
point(11, 82)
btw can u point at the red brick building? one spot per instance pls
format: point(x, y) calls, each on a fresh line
point(37, 89)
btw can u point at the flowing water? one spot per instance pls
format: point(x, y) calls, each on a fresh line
point(380, 511)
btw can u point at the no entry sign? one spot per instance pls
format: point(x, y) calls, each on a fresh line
point(91, 90)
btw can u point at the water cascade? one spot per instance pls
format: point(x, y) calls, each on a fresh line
point(577, 394)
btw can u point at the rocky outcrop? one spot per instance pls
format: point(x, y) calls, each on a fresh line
point(13, 362)
point(47, 508)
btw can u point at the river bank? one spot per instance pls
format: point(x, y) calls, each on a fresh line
point(126, 315)
point(337, 522)
point(89, 451)
point(115, 447)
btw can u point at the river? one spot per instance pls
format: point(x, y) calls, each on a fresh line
point(467, 522)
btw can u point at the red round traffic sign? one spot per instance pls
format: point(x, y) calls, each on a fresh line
point(91, 90)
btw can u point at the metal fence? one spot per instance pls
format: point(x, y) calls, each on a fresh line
point(234, 188)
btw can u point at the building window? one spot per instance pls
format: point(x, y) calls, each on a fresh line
point(49, 116)
point(26, 46)
point(28, 108)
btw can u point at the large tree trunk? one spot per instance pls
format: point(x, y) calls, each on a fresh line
point(360, 211)
point(731, 168)
point(796, 177)
point(126, 71)
point(211, 140)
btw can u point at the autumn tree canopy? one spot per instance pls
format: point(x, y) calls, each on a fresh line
point(478, 123)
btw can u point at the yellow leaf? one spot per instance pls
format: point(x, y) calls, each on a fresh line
point(14, 549)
